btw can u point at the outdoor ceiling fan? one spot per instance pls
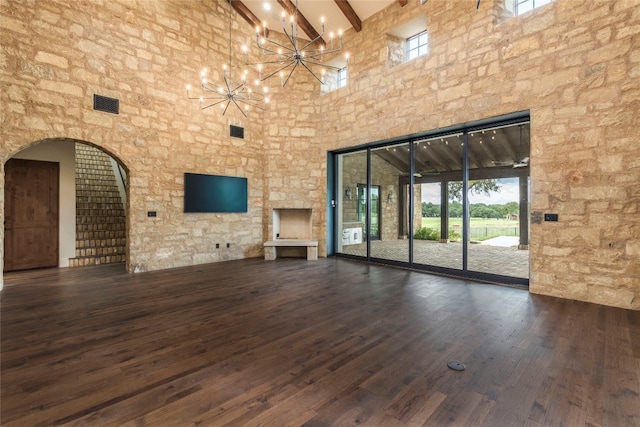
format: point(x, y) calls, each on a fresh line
point(420, 174)
point(522, 163)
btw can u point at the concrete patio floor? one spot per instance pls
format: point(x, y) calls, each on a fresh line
point(506, 261)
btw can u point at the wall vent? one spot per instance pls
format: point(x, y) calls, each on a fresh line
point(237, 131)
point(108, 105)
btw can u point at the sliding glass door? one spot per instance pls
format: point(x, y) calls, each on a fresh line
point(390, 168)
point(351, 204)
point(498, 194)
point(451, 202)
point(438, 239)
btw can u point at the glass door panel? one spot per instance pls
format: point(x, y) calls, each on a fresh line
point(374, 200)
point(437, 239)
point(351, 221)
point(499, 201)
point(389, 201)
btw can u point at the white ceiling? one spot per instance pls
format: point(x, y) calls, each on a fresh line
point(313, 10)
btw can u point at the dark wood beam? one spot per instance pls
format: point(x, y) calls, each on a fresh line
point(244, 11)
point(350, 14)
point(308, 29)
point(403, 3)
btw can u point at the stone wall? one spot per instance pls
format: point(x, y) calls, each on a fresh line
point(57, 54)
point(574, 65)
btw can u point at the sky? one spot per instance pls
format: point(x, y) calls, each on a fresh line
point(508, 193)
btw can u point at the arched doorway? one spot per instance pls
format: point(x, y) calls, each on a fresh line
point(90, 206)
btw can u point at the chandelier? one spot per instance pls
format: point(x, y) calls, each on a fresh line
point(295, 52)
point(236, 92)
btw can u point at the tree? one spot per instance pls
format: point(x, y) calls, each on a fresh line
point(479, 186)
point(430, 210)
point(455, 210)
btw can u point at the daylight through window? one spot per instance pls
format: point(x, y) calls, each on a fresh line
point(523, 6)
point(342, 77)
point(417, 46)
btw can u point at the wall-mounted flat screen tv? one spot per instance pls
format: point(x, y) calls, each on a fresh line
point(214, 193)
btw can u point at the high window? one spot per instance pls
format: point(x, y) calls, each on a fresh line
point(342, 77)
point(416, 46)
point(523, 6)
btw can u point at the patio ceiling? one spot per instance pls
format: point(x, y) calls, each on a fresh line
point(493, 153)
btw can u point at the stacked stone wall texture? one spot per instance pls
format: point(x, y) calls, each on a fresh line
point(574, 65)
point(100, 215)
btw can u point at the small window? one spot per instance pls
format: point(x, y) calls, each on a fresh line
point(417, 46)
point(523, 6)
point(342, 77)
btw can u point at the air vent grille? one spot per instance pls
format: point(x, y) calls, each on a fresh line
point(108, 105)
point(237, 131)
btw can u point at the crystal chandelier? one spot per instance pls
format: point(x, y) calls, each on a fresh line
point(238, 93)
point(295, 53)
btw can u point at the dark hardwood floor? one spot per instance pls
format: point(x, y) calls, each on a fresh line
point(316, 343)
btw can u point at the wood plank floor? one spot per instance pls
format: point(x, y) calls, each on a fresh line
point(292, 342)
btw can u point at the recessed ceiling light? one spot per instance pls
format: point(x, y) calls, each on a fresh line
point(266, 6)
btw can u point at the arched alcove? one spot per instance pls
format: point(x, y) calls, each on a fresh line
point(60, 153)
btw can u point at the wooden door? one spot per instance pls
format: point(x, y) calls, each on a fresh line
point(31, 214)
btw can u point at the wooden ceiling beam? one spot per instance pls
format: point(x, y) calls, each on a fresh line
point(308, 29)
point(350, 14)
point(244, 11)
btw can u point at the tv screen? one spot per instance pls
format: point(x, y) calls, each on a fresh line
point(214, 193)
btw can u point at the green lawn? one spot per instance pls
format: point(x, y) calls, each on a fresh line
point(475, 222)
point(480, 228)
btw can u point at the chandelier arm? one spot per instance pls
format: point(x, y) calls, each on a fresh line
point(258, 106)
point(321, 64)
point(277, 44)
point(291, 62)
point(239, 87)
point(211, 105)
point(312, 73)
point(236, 104)
point(291, 72)
point(292, 40)
point(280, 61)
point(225, 108)
point(312, 42)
